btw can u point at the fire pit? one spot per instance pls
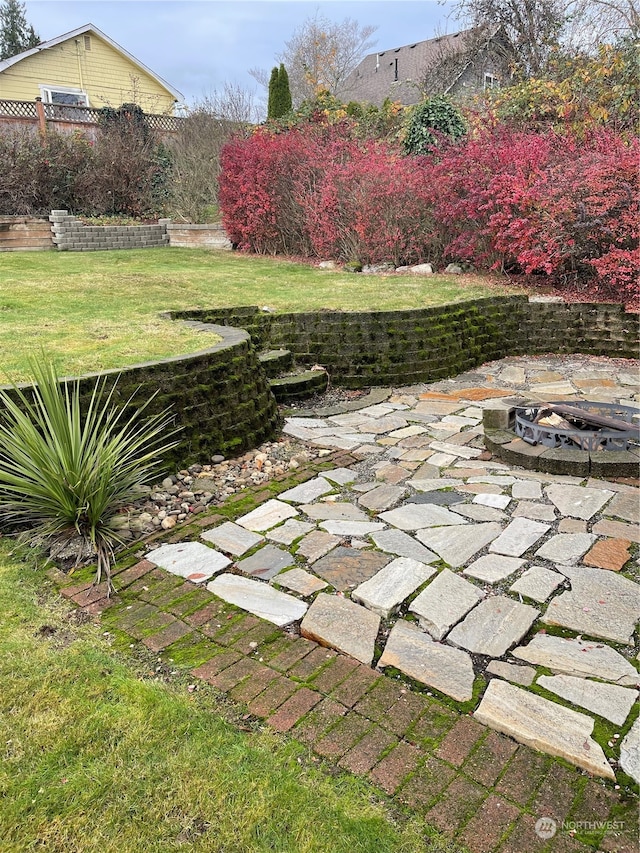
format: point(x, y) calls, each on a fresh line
point(580, 438)
point(582, 424)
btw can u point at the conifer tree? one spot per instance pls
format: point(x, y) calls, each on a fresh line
point(273, 93)
point(15, 34)
point(284, 91)
point(279, 93)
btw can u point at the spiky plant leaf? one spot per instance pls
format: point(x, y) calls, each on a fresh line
point(65, 473)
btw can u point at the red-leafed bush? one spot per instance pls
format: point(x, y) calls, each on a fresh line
point(319, 191)
point(619, 274)
point(545, 203)
point(525, 202)
point(258, 192)
point(373, 205)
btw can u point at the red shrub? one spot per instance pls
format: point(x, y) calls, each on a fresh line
point(260, 210)
point(532, 203)
point(373, 205)
point(618, 275)
point(544, 204)
point(318, 191)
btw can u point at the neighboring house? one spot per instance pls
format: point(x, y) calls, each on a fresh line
point(85, 68)
point(455, 64)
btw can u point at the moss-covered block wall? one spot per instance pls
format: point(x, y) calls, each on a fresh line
point(220, 397)
point(360, 349)
point(589, 328)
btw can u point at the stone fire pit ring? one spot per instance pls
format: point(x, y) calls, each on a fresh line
point(512, 435)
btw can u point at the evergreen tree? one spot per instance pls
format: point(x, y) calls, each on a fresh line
point(33, 39)
point(279, 93)
point(15, 34)
point(284, 91)
point(273, 94)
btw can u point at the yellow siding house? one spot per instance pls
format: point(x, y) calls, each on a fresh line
point(85, 68)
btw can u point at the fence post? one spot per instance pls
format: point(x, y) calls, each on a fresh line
point(42, 121)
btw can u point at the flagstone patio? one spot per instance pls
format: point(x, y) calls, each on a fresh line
point(509, 594)
point(506, 563)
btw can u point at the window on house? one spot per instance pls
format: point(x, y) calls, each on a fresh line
point(490, 81)
point(87, 42)
point(64, 96)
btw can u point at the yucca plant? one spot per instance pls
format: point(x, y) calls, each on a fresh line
point(66, 473)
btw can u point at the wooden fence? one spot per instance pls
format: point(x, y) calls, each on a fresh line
point(64, 118)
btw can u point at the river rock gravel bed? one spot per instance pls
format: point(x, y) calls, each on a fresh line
point(185, 493)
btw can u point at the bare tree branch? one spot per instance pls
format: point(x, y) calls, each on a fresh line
point(451, 57)
point(320, 55)
point(592, 22)
point(196, 149)
point(261, 76)
point(532, 28)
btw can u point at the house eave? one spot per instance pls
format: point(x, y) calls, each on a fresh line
point(85, 30)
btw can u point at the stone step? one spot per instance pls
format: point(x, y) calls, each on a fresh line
point(299, 386)
point(275, 361)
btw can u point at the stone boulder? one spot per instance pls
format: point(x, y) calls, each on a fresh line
point(378, 268)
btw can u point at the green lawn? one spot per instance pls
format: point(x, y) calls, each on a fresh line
point(91, 311)
point(99, 756)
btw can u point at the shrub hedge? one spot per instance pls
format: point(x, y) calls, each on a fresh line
point(124, 171)
point(560, 205)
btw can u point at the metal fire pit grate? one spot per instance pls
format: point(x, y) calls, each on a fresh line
point(581, 425)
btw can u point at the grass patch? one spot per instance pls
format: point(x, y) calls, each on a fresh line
point(99, 310)
point(99, 754)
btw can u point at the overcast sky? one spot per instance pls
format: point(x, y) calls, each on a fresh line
point(197, 45)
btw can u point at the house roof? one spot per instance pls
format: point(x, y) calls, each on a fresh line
point(90, 28)
point(374, 78)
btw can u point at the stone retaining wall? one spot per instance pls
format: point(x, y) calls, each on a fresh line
point(25, 234)
point(220, 397)
point(66, 232)
point(360, 349)
point(71, 235)
point(592, 329)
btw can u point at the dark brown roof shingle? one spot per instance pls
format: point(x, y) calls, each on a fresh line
point(397, 73)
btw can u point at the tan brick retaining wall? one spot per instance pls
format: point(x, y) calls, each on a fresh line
point(25, 234)
point(198, 236)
